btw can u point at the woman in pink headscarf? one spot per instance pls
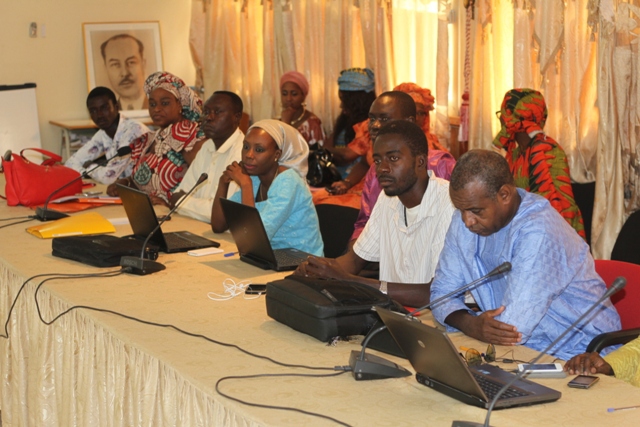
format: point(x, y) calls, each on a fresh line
point(294, 89)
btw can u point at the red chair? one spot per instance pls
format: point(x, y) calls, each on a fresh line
point(626, 301)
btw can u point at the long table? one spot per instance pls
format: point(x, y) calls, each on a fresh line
point(99, 369)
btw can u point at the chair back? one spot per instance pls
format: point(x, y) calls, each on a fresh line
point(626, 301)
point(336, 227)
point(626, 247)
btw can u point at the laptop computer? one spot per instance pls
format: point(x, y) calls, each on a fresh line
point(143, 220)
point(252, 241)
point(439, 366)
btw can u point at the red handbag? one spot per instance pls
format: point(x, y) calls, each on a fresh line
point(30, 184)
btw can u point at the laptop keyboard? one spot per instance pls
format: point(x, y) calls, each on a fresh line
point(491, 388)
point(287, 258)
point(176, 241)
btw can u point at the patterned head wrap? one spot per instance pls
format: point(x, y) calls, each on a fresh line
point(297, 78)
point(523, 110)
point(191, 104)
point(419, 95)
point(295, 149)
point(356, 79)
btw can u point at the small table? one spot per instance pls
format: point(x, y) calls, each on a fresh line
point(67, 126)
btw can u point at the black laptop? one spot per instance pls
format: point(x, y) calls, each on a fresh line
point(143, 220)
point(439, 365)
point(252, 241)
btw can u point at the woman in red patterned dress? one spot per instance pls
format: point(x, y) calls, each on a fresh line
point(161, 158)
point(537, 162)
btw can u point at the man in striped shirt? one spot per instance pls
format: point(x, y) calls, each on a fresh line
point(408, 223)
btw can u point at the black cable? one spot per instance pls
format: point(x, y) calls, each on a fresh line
point(161, 325)
point(343, 369)
point(15, 300)
point(281, 408)
point(17, 217)
point(18, 222)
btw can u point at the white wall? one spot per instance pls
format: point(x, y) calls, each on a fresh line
point(56, 62)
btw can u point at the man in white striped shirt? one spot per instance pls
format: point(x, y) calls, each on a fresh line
point(408, 224)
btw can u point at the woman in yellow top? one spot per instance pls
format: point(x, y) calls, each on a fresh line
point(624, 363)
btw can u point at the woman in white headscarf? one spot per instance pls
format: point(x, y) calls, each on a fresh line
point(271, 177)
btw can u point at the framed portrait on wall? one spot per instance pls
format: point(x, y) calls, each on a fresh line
point(120, 56)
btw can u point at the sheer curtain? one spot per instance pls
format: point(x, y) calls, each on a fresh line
point(618, 172)
point(421, 52)
point(491, 68)
point(245, 46)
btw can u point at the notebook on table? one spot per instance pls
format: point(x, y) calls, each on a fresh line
point(143, 220)
point(438, 365)
point(252, 240)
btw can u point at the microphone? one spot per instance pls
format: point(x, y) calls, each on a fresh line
point(617, 285)
point(44, 214)
point(505, 267)
point(142, 266)
point(369, 367)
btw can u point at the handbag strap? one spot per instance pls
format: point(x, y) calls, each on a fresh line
point(53, 157)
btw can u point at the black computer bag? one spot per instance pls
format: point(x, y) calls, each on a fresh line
point(100, 250)
point(325, 309)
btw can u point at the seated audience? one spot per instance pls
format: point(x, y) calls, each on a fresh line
point(356, 89)
point(439, 161)
point(294, 89)
point(115, 131)
point(388, 106)
point(271, 177)
point(537, 162)
point(220, 121)
point(553, 280)
point(161, 158)
point(406, 230)
point(624, 363)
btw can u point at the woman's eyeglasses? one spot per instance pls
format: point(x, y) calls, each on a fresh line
point(474, 357)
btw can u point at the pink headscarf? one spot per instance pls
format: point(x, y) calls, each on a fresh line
point(297, 78)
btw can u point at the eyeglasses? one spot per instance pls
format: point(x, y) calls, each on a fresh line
point(474, 357)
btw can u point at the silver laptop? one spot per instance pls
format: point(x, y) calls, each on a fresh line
point(252, 240)
point(143, 220)
point(439, 366)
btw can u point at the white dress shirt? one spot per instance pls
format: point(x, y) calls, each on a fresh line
point(212, 161)
point(407, 254)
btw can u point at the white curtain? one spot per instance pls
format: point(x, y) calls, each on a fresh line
point(545, 46)
point(618, 172)
point(421, 53)
point(246, 45)
point(492, 68)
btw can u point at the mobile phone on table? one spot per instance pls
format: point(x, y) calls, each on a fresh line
point(255, 289)
point(583, 381)
point(542, 370)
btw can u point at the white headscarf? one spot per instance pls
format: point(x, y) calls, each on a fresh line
point(295, 149)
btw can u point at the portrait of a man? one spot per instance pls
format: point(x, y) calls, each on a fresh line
point(120, 56)
point(124, 61)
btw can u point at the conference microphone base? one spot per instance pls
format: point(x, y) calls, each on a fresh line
point(374, 367)
point(139, 266)
point(467, 424)
point(49, 215)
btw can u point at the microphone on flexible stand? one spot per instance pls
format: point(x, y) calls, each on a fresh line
point(369, 367)
point(142, 266)
point(44, 214)
point(617, 285)
point(505, 267)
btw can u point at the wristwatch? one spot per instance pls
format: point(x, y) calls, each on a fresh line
point(383, 287)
